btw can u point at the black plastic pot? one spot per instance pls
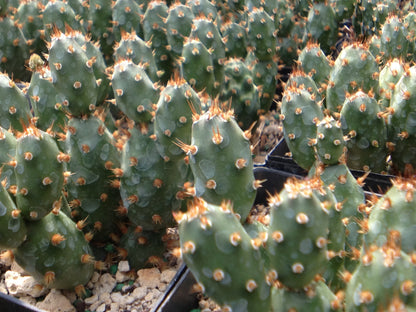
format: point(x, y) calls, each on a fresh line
point(11, 304)
point(278, 160)
point(179, 295)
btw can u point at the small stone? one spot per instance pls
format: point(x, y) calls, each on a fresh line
point(162, 287)
point(117, 297)
point(121, 277)
point(167, 275)
point(94, 306)
point(149, 296)
point(91, 300)
point(95, 277)
point(123, 266)
point(149, 277)
point(105, 284)
point(114, 307)
point(129, 299)
point(18, 285)
point(101, 308)
point(105, 297)
point(56, 302)
point(139, 293)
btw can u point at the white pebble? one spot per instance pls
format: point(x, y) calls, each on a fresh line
point(91, 300)
point(123, 266)
point(139, 293)
point(101, 308)
point(149, 277)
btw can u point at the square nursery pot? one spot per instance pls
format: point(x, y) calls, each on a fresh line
point(278, 159)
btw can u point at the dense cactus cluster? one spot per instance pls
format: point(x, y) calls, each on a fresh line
point(121, 119)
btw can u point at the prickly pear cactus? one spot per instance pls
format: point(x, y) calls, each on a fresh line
point(330, 144)
point(297, 234)
point(128, 80)
point(13, 49)
point(7, 158)
point(198, 66)
point(29, 19)
point(394, 272)
point(354, 69)
point(350, 198)
point(93, 187)
point(235, 277)
point(57, 15)
point(99, 17)
point(261, 36)
point(394, 39)
point(39, 170)
point(299, 79)
point(56, 253)
point(315, 297)
point(366, 130)
point(206, 30)
point(394, 212)
point(72, 74)
point(219, 145)
point(147, 187)
point(322, 26)
point(401, 127)
point(235, 39)
point(265, 77)
point(126, 16)
point(154, 31)
point(15, 106)
point(241, 92)
point(12, 226)
point(44, 98)
point(179, 26)
point(142, 248)
point(390, 74)
point(132, 47)
point(315, 63)
point(174, 117)
point(300, 114)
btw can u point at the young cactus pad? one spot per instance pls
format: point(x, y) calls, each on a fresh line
point(39, 170)
point(234, 275)
point(56, 253)
point(220, 159)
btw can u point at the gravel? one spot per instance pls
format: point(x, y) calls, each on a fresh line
point(122, 291)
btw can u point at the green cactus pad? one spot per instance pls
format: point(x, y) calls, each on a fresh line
point(366, 131)
point(235, 276)
point(330, 144)
point(128, 81)
point(220, 159)
point(174, 117)
point(92, 185)
point(298, 233)
point(73, 75)
point(354, 69)
point(13, 229)
point(300, 114)
point(15, 110)
point(55, 253)
point(39, 173)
